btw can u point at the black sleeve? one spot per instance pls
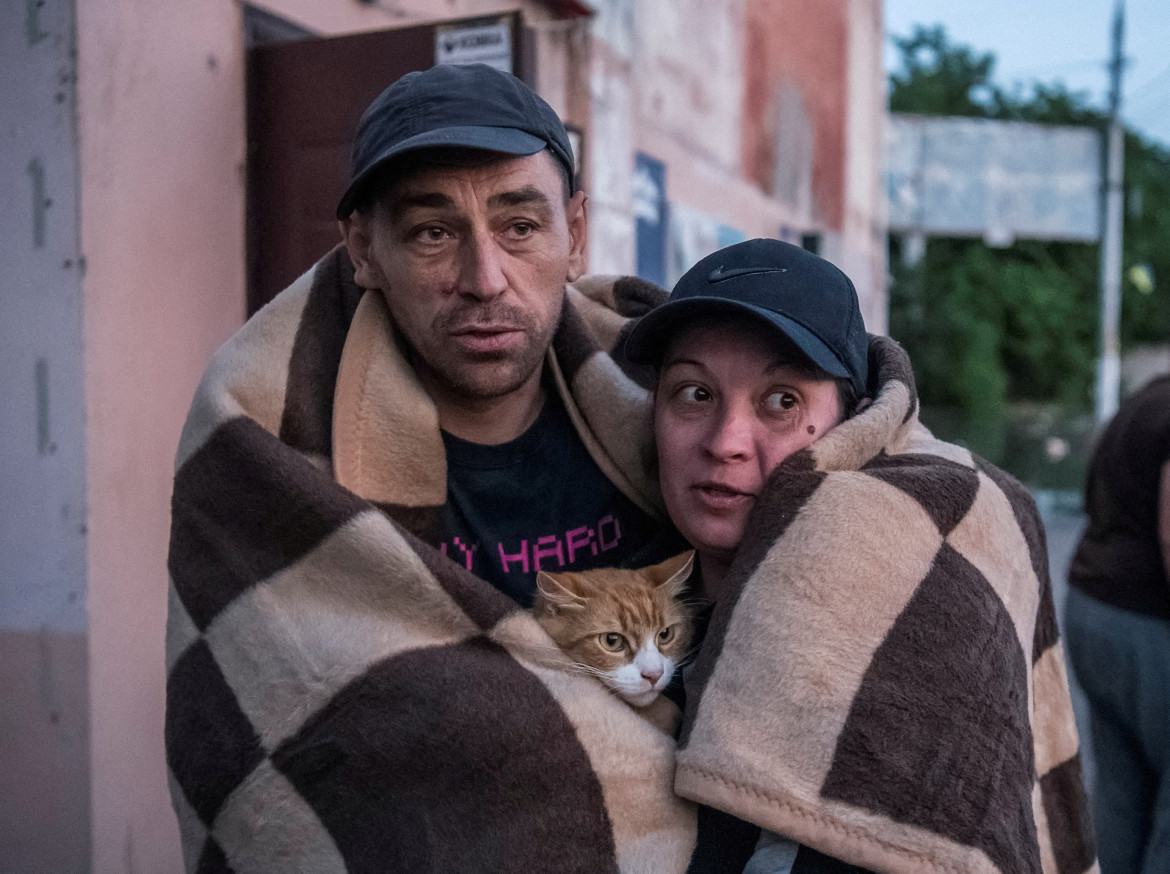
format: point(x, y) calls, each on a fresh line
point(809, 861)
point(724, 843)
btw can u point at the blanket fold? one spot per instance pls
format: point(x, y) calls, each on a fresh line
point(884, 681)
point(342, 697)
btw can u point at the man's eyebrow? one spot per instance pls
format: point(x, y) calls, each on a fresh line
point(419, 200)
point(529, 194)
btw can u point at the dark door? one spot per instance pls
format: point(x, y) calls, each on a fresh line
point(304, 99)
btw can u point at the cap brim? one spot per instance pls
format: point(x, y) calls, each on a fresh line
point(505, 140)
point(649, 337)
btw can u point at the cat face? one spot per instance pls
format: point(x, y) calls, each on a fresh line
point(628, 627)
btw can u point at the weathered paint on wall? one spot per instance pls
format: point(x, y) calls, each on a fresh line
point(767, 115)
point(863, 233)
point(44, 719)
point(795, 66)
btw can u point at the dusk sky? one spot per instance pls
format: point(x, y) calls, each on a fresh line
point(1047, 40)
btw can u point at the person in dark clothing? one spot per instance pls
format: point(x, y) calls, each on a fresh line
point(1118, 631)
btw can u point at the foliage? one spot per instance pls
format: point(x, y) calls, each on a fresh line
point(985, 326)
point(1002, 324)
point(938, 78)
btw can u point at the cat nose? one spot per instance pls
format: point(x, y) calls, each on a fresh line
point(652, 675)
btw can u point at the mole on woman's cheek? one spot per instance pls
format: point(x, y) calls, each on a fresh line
point(812, 429)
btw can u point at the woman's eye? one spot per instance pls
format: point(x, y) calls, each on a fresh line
point(694, 394)
point(666, 634)
point(780, 401)
point(612, 641)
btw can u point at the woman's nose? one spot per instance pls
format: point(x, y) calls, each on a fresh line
point(730, 435)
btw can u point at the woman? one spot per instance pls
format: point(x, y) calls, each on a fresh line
point(881, 679)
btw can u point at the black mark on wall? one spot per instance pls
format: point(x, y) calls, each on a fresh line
point(45, 444)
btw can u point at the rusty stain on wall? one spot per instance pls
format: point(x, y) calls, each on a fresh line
point(800, 45)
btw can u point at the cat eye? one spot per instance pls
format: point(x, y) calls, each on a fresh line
point(612, 641)
point(665, 635)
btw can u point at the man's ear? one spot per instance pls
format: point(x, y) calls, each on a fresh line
point(356, 230)
point(577, 213)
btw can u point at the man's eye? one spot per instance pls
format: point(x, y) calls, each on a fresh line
point(431, 234)
point(780, 401)
point(523, 229)
point(694, 394)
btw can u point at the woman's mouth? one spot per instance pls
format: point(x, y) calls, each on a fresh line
point(717, 496)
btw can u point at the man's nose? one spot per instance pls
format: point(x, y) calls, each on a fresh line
point(482, 270)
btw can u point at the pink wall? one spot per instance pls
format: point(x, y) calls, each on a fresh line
point(162, 144)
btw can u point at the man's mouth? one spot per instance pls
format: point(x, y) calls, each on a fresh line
point(486, 338)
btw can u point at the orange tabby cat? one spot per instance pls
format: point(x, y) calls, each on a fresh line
point(627, 627)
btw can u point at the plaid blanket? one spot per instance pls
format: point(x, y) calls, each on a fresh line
point(340, 696)
point(885, 682)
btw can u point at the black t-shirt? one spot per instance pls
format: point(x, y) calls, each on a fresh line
point(1119, 559)
point(540, 502)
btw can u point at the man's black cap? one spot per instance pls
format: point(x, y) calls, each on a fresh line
point(474, 106)
point(806, 298)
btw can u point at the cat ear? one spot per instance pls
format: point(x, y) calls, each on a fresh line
point(556, 595)
point(674, 572)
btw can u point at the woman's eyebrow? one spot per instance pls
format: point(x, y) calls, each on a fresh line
point(800, 369)
point(678, 362)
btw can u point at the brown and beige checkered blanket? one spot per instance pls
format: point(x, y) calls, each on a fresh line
point(340, 696)
point(885, 681)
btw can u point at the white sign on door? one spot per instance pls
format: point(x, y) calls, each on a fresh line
point(489, 44)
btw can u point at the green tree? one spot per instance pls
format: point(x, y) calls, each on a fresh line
point(938, 78)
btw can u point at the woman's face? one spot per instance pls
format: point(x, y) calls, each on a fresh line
point(727, 411)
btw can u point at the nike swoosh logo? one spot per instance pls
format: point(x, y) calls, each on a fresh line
point(721, 275)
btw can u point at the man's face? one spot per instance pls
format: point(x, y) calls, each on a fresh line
point(472, 261)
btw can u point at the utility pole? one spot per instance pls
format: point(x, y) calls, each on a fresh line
point(1109, 363)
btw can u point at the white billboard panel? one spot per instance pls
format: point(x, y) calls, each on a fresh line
point(974, 177)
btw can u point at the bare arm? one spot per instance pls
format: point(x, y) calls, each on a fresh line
point(1164, 517)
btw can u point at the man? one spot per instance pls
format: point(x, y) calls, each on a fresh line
point(1118, 626)
point(340, 695)
point(465, 221)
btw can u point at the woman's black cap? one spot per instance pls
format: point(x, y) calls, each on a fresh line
point(803, 296)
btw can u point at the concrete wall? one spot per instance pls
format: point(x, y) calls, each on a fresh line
point(44, 720)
